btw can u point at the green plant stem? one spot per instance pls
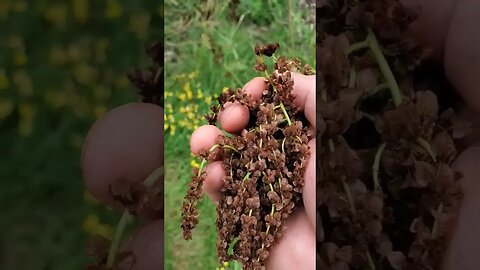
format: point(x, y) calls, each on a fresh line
point(126, 217)
point(267, 76)
point(349, 195)
point(376, 165)
point(124, 220)
point(423, 143)
point(286, 114)
point(331, 146)
point(202, 165)
point(384, 67)
point(357, 46)
point(153, 177)
point(370, 260)
point(377, 88)
point(352, 78)
point(435, 224)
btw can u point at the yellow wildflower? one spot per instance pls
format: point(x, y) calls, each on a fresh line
point(101, 46)
point(182, 97)
point(99, 111)
point(113, 9)
point(199, 94)
point(193, 75)
point(23, 82)
point(188, 90)
point(190, 115)
point(169, 108)
point(4, 82)
point(56, 15)
point(57, 55)
point(85, 73)
point(139, 24)
point(171, 118)
point(172, 130)
point(19, 6)
point(183, 123)
point(225, 264)
point(88, 197)
point(19, 57)
point(4, 9)
point(208, 99)
point(160, 10)
point(93, 226)
point(194, 163)
point(80, 10)
point(6, 108)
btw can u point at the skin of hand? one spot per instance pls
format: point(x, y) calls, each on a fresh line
point(450, 27)
point(296, 249)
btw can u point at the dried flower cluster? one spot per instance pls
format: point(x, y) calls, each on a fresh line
point(386, 193)
point(149, 82)
point(264, 164)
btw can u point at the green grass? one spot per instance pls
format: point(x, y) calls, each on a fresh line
point(215, 40)
point(62, 65)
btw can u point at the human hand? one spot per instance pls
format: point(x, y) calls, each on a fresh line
point(451, 28)
point(127, 144)
point(296, 249)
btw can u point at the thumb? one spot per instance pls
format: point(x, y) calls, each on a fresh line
point(463, 250)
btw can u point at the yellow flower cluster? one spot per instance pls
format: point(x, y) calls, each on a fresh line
point(184, 109)
point(93, 226)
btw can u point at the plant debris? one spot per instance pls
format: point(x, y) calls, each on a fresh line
point(264, 164)
point(386, 193)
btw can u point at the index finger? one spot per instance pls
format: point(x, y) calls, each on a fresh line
point(233, 118)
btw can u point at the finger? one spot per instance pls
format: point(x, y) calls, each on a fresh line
point(146, 247)
point(463, 248)
point(214, 180)
point(304, 91)
point(432, 26)
point(203, 138)
point(127, 144)
point(255, 87)
point(296, 249)
point(309, 189)
point(234, 117)
point(462, 54)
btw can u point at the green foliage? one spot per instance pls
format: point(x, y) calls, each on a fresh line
point(63, 64)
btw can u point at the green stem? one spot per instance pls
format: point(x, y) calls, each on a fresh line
point(153, 177)
point(117, 238)
point(377, 88)
point(126, 217)
point(435, 224)
point(384, 67)
point(423, 143)
point(357, 46)
point(370, 260)
point(286, 114)
point(349, 195)
point(323, 95)
point(202, 165)
point(376, 165)
point(352, 78)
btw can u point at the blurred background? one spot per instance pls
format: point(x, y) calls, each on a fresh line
point(209, 46)
point(63, 64)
